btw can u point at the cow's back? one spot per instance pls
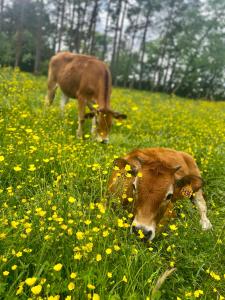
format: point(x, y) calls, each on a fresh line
point(78, 75)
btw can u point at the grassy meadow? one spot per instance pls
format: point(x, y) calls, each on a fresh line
point(57, 240)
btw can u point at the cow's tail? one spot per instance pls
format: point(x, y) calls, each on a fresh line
point(107, 88)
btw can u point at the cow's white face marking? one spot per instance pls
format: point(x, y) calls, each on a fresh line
point(150, 226)
point(169, 193)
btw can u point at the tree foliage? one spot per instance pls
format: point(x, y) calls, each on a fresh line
point(174, 46)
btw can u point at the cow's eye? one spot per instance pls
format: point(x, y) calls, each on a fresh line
point(169, 196)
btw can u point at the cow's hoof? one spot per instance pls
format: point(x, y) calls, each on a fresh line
point(206, 224)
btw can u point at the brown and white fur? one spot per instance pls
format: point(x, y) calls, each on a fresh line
point(156, 179)
point(89, 80)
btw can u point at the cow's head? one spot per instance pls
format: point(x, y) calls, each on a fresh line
point(154, 187)
point(103, 122)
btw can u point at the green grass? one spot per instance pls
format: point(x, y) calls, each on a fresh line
point(43, 164)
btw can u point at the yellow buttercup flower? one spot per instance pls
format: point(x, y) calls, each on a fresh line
point(31, 281)
point(98, 257)
point(57, 267)
point(36, 289)
point(71, 286)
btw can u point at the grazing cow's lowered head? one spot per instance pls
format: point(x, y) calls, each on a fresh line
point(102, 122)
point(153, 184)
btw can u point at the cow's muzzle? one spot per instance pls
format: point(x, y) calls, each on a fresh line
point(148, 233)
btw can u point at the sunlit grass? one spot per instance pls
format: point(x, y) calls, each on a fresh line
point(58, 241)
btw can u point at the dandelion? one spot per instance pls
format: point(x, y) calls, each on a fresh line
point(57, 267)
point(2, 158)
point(96, 297)
point(109, 274)
point(36, 289)
point(124, 279)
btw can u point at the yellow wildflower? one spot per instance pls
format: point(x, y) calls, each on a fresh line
point(98, 257)
point(5, 273)
point(36, 289)
point(197, 293)
point(31, 281)
point(71, 286)
point(57, 267)
point(108, 251)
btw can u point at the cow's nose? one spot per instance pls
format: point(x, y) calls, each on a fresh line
point(106, 141)
point(147, 233)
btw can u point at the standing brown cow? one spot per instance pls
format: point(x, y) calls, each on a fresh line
point(155, 178)
point(89, 80)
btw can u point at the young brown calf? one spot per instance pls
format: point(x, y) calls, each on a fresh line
point(154, 178)
point(89, 80)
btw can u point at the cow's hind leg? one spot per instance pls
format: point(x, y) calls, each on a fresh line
point(201, 205)
point(81, 117)
point(64, 100)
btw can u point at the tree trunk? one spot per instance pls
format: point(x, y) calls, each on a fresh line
point(82, 35)
point(93, 36)
point(39, 37)
point(104, 51)
point(131, 55)
point(120, 37)
point(61, 25)
point(19, 34)
point(118, 10)
point(142, 50)
point(72, 26)
point(57, 22)
point(1, 15)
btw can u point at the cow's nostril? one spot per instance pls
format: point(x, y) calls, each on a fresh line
point(135, 229)
point(147, 233)
point(104, 141)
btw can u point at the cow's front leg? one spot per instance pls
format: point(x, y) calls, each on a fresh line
point(201, 205)
point(52, 86)
point(94, 126)
point(81, 117)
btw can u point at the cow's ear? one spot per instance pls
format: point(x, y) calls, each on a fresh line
point(160, 168)
point(122, 163)
point(196, 182)
point(118, 115)
point(89, 115)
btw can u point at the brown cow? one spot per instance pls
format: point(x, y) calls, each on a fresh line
point(89, 80)
point(155, 178)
